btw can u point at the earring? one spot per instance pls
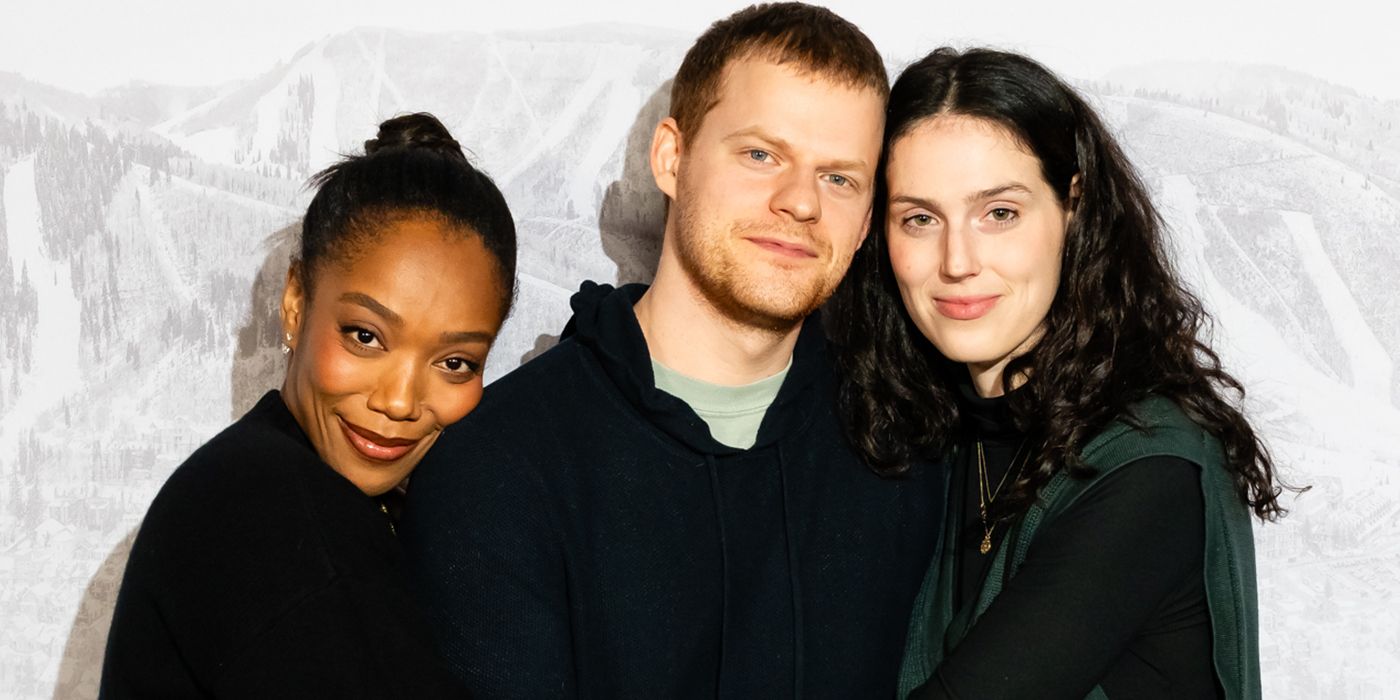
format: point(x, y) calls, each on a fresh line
point(287, 344)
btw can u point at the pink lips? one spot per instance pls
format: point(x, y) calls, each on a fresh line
point(784, 248)
point(966, 308)
point(373, 445)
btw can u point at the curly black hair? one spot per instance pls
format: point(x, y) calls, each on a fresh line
point(1121, 327)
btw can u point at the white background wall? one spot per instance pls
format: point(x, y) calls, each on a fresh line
point(144, 228)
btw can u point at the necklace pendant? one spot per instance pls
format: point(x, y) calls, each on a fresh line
point(986, 543)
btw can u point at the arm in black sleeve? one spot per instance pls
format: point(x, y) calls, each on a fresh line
point(488, 567)
point(1093, 577)
point(351, 639)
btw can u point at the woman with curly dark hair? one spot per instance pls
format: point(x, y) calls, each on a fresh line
point(1016, 311)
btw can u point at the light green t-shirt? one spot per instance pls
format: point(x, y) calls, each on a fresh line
point(732, 412)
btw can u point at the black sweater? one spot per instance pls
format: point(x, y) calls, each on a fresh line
point(259, 572)
point(1112, 593)
point(582, 534)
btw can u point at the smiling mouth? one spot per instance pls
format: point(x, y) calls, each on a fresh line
point(966, 308)
point(374, 446)
point(783, 248)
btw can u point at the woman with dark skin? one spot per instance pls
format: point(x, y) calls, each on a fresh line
point(268, 566)
point(1014, 311)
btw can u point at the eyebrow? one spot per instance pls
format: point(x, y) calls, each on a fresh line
point(451, 338)
point(975, 196)
point(999, 189)
point(447, 338)
point(782, 145)
point(372, 304)
point(916, 201)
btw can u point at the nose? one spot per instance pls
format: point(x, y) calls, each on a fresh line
point(960, 259)
point(397, 394)
point(798, 198)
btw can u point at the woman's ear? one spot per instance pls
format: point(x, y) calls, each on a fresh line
point(293, 305)
point(1074, 192)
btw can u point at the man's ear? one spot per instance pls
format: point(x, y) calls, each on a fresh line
point(666, 155)
point(293, 310)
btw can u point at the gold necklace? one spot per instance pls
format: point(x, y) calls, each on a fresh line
point(986, 496)
point(385, 509)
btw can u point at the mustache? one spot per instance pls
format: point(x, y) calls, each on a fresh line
point(796, 233)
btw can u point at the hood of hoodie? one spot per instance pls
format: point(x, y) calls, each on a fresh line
point(605, 323)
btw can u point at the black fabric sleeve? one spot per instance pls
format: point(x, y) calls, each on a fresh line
point(350, 639)
point(1092, 579)
point(488, 566)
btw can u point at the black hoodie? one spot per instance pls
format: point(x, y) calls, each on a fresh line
point(582, 534)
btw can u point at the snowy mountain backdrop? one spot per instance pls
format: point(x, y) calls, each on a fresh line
point(144, 234)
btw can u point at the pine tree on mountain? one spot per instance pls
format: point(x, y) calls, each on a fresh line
point(27, 301)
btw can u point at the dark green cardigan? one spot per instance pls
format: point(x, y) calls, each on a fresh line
point(1229, 552)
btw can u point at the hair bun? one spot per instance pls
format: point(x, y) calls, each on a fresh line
point(417, 130)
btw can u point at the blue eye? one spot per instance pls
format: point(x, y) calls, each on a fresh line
point(838, 180)
point(759, 155)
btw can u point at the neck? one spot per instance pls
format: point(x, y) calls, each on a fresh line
point(986, 377)
point(688, 334)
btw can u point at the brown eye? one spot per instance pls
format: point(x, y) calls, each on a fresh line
point(1003, 215)
point(462, 366)
point(361, 336)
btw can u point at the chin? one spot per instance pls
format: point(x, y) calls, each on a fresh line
point(967, 358)
point(793, 302)
point(966, 350)
point(375, 478)
point(377, 485)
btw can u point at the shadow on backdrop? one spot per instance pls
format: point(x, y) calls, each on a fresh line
point(543, 342)
point(80, 670)
point(258, 364)
point(632, 217)
point(633, 214)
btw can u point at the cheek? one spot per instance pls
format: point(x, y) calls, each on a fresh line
point(851, 213)
point(910, 262)
point(452, 404)
point(703, 177)
point(1045, 267)
point(1033, 266)
point(333, 369)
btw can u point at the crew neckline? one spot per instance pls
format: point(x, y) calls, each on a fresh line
point(720, 399)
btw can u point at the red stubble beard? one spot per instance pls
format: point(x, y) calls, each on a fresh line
point(748, 285)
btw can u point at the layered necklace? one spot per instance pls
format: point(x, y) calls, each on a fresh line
point(986, 495)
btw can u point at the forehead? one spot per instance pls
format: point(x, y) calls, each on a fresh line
point(433, 274)
point(961, 154)
point(828, 116)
